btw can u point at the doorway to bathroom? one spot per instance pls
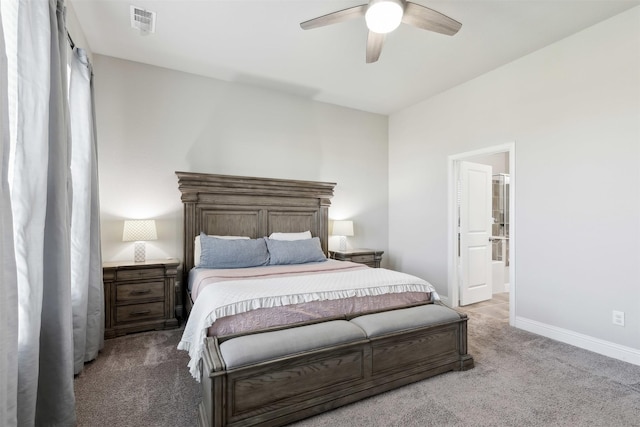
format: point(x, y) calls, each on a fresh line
point(482, 226)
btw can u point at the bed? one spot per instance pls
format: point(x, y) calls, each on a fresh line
point(258, 371)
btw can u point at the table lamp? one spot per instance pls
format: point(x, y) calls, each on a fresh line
point(139, 231)
point(343, 229)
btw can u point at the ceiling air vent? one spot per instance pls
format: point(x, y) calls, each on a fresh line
point(143, 20)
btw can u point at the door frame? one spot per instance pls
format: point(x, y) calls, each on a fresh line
point(453, 172)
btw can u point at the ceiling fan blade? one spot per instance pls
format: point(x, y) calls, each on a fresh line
point(335, 17)
point(374, 46)
point(428, 19)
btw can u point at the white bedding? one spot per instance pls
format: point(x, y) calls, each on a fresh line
point(238, 296)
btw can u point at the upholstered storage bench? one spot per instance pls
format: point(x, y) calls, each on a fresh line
point(276, 377)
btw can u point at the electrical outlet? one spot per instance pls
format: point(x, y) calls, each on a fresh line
point(618, 318)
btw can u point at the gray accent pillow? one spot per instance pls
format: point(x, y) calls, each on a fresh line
point(224, 253)
point(295, 251)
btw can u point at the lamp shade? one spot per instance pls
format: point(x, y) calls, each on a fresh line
point(139, 230)
point(342, 228)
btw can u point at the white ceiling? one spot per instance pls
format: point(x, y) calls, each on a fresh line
point(261, 43)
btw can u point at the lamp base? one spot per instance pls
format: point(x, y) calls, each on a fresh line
point(139, 252)
point(343, 244)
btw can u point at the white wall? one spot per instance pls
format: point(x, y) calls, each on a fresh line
point(154, 121)
point(75, 30)
point(573, 110)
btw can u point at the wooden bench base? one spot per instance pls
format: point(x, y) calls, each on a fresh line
point(280, 391)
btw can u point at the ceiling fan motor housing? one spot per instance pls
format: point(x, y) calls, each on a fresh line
point(384, 16)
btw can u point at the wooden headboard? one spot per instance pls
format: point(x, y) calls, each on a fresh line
point(253, 207)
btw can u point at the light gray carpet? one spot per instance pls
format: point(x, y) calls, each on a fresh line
point(520, 379)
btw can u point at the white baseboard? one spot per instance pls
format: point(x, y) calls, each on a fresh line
point(606, 348)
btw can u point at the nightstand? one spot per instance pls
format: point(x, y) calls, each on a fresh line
point(139, 296)
point(368, 257)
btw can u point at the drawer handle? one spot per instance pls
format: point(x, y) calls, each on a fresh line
point(146, 291)
point(140, 313)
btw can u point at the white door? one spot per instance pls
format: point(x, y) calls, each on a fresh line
point(475, 216)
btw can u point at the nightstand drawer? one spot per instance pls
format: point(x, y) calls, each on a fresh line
point(131, 292)
point(362, 258)
point(140, 273)
point(138, 312)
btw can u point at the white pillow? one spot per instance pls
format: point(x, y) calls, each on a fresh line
point(291, 236)
point(197, 248)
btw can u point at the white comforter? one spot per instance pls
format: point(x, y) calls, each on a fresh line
point(239, 296)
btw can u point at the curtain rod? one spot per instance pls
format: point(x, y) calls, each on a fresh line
point(73, 45)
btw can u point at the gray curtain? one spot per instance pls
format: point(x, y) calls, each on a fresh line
point(86, 261)
point(51, 296)
point(8, 281)
point(41, 198)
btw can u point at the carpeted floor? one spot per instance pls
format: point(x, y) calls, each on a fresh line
point(138, 380)
point(520, 379)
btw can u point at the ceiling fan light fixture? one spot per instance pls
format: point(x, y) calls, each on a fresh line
point(384, 16)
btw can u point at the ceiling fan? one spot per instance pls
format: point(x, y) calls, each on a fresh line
point(384, 16)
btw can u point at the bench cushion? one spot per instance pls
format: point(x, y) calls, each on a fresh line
point(249, 349)
point(379, 324)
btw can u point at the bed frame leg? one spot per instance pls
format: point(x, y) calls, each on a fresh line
point(466, 360)
point(211, 409)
